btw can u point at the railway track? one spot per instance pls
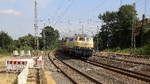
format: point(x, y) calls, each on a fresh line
point(129, 73)
point(74, 75)
point(127, 64)
point(121, 60)
point(135, 56)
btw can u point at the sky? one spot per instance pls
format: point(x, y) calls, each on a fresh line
point(67, 16)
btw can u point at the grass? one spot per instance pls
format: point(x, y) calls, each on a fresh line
point(4, 55)
point(137, 51)
point(4, 52)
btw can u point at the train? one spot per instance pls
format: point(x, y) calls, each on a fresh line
point(78, 46)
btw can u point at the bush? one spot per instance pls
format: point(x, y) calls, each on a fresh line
point(137, 51)
point(146, 49)
point(26, 48)
point(3, 51)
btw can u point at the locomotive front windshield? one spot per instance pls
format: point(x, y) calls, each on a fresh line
point(87, 39)
point(81, 39)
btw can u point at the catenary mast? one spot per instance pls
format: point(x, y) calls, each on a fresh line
point(36, 25)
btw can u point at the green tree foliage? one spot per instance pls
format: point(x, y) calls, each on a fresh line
point(146, 36)
point(41, 43)
point(50, 37)
point(98, 42)
point(107, 32)
point(25, 41)
point(127, 20)
point(5, 41)
point(116, 30)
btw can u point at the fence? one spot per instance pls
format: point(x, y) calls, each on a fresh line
point(21, 53)
point(22, 77)
point(15, 65)
point(18, 65)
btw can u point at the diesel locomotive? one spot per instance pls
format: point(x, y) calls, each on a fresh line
point(79, 46)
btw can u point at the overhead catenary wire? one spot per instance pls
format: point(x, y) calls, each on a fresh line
point(120, 3)
point(58, 9)
point(140, 7)
point(63, 14)
point(65, 11)
point(97, 8)
point(143, 5)
point(93, 10)
point(60, 13)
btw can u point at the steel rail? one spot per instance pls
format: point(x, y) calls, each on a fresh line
point(124, 60)
point(130, 73)
point(74, 82)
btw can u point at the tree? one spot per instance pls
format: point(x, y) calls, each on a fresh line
point(49, 37)
point(127, 20)
point(5, 41)
point(109, 28)
point(26, 41)
point(98, 41)
point(116, 30)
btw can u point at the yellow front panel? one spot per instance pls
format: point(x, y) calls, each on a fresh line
point(84, 44)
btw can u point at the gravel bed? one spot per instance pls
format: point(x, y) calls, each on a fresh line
point(56, 75)
point(126, 65)
point(94, 72)
point(80, 79)
point(126, 57)
point(116, 63)
point(103, 75)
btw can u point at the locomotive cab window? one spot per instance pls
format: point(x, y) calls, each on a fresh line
point(88, 39)
point(81, 39)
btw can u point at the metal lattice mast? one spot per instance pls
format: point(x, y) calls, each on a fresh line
point(36, 25)
point(133, 40)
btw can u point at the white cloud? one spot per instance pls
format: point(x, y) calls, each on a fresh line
point(10, 12)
